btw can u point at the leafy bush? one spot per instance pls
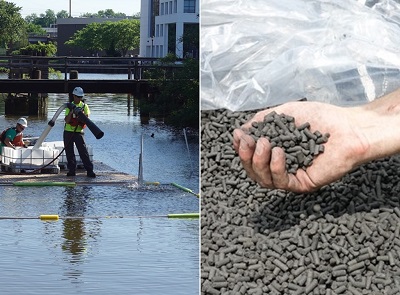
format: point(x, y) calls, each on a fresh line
point(40, 49)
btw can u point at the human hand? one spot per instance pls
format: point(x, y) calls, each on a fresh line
point(71, 106)
point(345, 149)
point(77, 110)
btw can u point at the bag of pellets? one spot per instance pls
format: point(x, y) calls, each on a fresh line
point(256, 53)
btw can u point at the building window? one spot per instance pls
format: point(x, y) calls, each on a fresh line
point(189, 6)
point(175, 6)
point(162, 8)
point(166, 7)
point(170, 7)
point(155, 10)
point(156, 7)
point(161, 30)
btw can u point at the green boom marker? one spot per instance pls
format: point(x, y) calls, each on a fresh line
point(184, 189)
point(184, 215)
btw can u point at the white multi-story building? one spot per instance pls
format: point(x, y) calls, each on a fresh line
point(162, 24)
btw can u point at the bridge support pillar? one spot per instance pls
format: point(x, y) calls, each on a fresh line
point(73, 74)
point(26, 104)
point(23, 104)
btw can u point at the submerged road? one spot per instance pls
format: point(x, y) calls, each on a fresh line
point(105, 175)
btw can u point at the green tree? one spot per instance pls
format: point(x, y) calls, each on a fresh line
point(108, 13)
point(116, 38)
point(177, 96)
point(62, 14)
point(123, 35)
point(30, 19)
point(46, 19)
point(90, 38)
point(12, 25)
point(35, 29)
point(190, 40)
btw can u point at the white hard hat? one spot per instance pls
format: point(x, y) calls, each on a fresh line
point(23, 122)
point(78, 91)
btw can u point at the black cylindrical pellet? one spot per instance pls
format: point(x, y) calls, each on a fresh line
point(283, 133)
point(212, 291)
point(338, 273)
point(328, 232)
point(358, 284)
point(304, 126)
point(309, 134)
point(356, 266)
point(311, 144)
point(354, 291)
point(340, 289)
point(280, 264)
point(222, 262)
point(310, 287)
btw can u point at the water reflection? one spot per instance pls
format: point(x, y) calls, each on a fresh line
point(74, 229)
point(139, 235)
point(76, 232)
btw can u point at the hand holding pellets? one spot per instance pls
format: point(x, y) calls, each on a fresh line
point(299, 143)
point(278, 145)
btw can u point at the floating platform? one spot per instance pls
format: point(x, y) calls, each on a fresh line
point(62, 159)
point(50, 158)
point(26, 168)
point(105, 175)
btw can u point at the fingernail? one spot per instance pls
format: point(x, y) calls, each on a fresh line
point(244, 146)
point(259, 148)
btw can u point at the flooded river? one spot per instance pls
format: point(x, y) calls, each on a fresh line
point(122, 240)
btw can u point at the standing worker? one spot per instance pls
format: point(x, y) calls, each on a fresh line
point(12, 137)
point(73, 133)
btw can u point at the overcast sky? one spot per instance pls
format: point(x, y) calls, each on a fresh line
point(78, 7)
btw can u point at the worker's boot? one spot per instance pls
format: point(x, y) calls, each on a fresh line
point(91, 174)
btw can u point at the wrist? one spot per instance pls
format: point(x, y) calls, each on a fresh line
point(375, 119)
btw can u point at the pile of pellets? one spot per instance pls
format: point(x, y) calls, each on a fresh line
point(300, 145)
point(342, 239)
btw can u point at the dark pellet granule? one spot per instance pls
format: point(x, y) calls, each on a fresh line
point(300, 144)
point(342, 239)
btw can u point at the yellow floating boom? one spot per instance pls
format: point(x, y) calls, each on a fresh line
point(55, 217)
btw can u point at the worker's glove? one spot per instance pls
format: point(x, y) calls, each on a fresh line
point(77, 110)
point(71, 106)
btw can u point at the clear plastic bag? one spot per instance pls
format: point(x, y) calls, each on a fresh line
point(258, 53)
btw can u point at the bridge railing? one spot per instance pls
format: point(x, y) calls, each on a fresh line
point(134, 67)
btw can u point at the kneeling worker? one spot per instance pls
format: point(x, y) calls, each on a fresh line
point(12, 137)
point(73, 133)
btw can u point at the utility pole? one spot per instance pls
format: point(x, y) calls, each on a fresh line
point(70, 15)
